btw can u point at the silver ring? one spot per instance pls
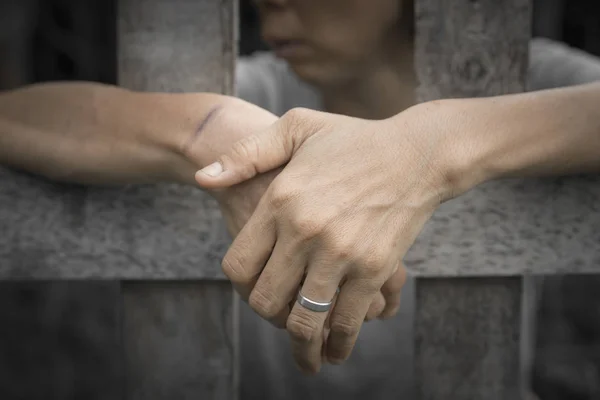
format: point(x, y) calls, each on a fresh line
point(314, 305)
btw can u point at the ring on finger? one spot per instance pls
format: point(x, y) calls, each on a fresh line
point(315, 306)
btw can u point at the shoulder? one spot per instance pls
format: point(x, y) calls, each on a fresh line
point(268, 82)
point(554, 64)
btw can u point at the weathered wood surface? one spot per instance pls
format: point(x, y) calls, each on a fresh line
point(182, 335)
point(479, 48)
point(52, 231)
point(179, 339)
point(467, 331)
point(165, 232)
point(501, 228)
point(468, 338)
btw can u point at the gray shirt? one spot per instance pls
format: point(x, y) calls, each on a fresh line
point(381, 364)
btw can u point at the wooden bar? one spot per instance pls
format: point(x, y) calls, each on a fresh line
point(467, 338)
point(180, 339)
point(53, 231)
point(505, 228)
point(467, 331)
point(17, 27)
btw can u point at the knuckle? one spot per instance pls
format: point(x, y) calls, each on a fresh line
point(263, 304)
point(302, 327)
point(373, 263)
point(394, 284)
point(247, 148)
point(296, 114)
point(341, 247)
point(303, 119)
point(281, 194)
point(234, 269)
point(308, 226)
point(345, 325)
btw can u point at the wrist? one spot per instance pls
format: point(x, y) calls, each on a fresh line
point(172, 126)
point(475, 135)
point(443, 129)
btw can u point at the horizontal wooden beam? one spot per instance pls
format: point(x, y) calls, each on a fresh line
point(502, 228)
point(514, 227)
point(52, 231)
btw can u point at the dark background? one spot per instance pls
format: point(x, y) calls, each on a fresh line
point(57, 340)
point(75, 39)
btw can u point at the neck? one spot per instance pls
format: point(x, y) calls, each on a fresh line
point(385, 88)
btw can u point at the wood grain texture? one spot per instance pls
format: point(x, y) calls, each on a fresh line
point(467, 331)
point(164, 232)
point(180, 338)
point(545, 226)
point(52, 231)
point(467, 338)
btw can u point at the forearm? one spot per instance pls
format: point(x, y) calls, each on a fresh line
point(547, 133)
point(98, 134)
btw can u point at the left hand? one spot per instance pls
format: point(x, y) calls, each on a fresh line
point(235, 121)
point(345, 210)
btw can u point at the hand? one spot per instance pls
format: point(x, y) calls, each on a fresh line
point(229, 123)
point(237, 120)
point(346, 208)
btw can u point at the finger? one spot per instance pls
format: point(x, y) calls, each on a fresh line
point(376, 307)
point(278, 284)
point(327, 330)
point(260, 152)
point(305, 326)
point(392, 292)
point(247, 256)
point(352, 305)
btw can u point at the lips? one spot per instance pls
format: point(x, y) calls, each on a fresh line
point(289, 48)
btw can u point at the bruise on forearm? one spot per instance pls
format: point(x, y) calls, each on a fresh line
point(201, 127)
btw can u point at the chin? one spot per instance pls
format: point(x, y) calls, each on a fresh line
point(316, 74)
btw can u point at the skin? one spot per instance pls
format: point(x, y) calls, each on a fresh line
point(358, 54)
point(103, 135)
point(355, 194)
point(409, 162)
point(98, 134)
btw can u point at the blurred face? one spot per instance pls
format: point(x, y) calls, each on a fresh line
point(327, 42)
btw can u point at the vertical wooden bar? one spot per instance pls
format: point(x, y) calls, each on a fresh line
point(467, 330)
point(17, 26)
point(179, 340)
point(180, 337)
point(467, 338)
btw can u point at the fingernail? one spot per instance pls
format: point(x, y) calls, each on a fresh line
point(213, 169)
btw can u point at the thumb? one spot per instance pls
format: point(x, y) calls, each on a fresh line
point(249, 157)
